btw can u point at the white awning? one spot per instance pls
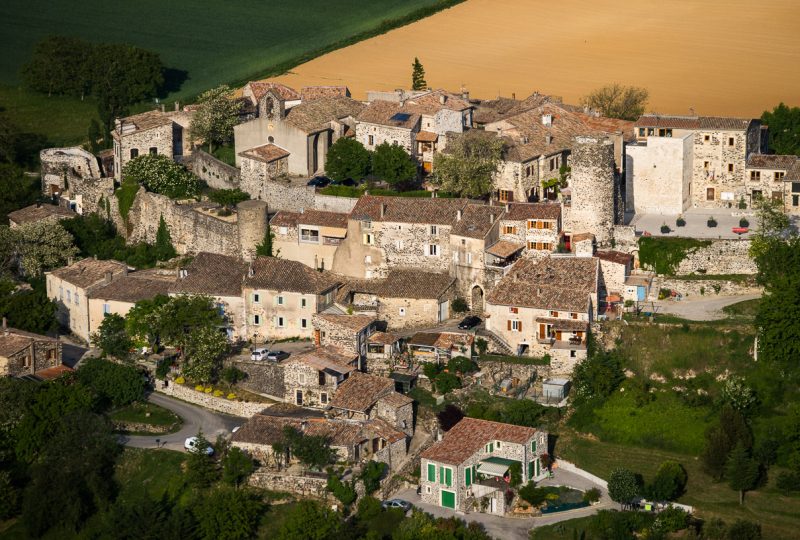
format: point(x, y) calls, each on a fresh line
point(492, 469)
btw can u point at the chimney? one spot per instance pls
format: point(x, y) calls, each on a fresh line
point(302, 210)
point(250, 271)
point(107, 278)
point(508, 207)
point(125, 270)
point(383, 210)
point(547, 119)
point(442, 99)
point(38, 204)
point(525, 140)
point(458, 215)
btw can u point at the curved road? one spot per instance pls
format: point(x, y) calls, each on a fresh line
point(194, 418)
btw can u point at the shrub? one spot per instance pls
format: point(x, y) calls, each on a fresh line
point(665, 229)
point(218, 393)
point(372, 474)
point(629, 303)
point(163, 367)
point(533, 495)
point(113, 383)
point(460, 305)
point(199, 388)
point(711, 222)
point(431, 370)
point(515, 473)
point(232, 375)
point(344, 491)
point(482, 345)
point(159, 174)
point(461, 364)
point(231, 396)
point(446, 382)
point(592, 495)
point(680, 222)
point(669, 482)
point(180, 380)
point(744, 223)
point(208, 390)
point(742, 203)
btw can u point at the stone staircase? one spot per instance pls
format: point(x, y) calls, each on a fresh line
point(496, 343)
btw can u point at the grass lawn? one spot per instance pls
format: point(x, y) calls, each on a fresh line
point(138, 412)
point(155, 471)
point(664, 254)
point(779, 515)
point(743, 310)
point(561, 531)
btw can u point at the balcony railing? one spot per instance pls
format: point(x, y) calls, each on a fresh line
point(545, 340)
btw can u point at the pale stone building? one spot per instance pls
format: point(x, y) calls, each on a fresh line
point(311, 378)
point(348, 333)
point(221, 277)
point(39, 212)
point(534, 227)
point(369, 397)
point(122, 292)
point(152, 132)
point(615, 268)
point(310, 237)
point(658, 175)
point(465, 470)
point(545, 306)
point(24, 353)
point(769, 176)
point(63, 166)
point(260, 165)
point(281, 296)
point(70, 286)
point(387, 122)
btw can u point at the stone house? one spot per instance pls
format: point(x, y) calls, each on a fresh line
point(344, 332)
point(280, 297)
point(404, 299)
point(766, 176)
point(122, 292)
point(152, 132)
point(221, 277)
point(398, 232)
point(383, 353)
point(369, 397)
point(439, 347)
point(259, 165)
point(534, 226)
point(545, 306)
point(311, 378)
point(475, 230)
point(658, 174)
point(24, 353)
point(388, 122)
point(305, 130)
point(720, 148)
point(70, 287)
point(39, 212)
point(466, 470)
point(615, 268)
point(310, 237)
point(61, 167)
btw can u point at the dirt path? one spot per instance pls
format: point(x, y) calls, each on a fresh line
point(688, 53)
point(702, 309)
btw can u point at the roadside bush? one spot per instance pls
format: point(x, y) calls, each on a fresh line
point(461, 364)
point(114, 383)
point(665, 229)
point(163, 367)
point(591, 495)
point(232, 375)
point(459, 305)
point(533, 495)
point(180, 380)
point(671, 519)
point(372, 474)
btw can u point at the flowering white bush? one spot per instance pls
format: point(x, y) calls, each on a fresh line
point(159, 174)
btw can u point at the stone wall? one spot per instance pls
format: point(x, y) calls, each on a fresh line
point(262, 377)
point(244, 409)
point(710, 165)
point(62, 165)
point(721, 257)
point(215, 173)
point(329, 203)
point(497, 371)
point(306, 486)
point(393, 454)
point(710, 287)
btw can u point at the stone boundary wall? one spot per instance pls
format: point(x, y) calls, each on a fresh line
point(329, 203)
point(306, 486)
point(721, 257)
point(571, 467)
point(691, 287)
point(208, 401)
point(262, 377)
point(217, 174)
point(138, 427)
point(292, 198)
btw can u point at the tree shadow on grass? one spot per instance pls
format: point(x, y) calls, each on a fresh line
point(173, 81)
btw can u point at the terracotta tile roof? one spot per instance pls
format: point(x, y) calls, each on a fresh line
point(264, 429)
point(500, 108)
point(15, 340)
point(309, 217)
point(260, 89)
point(470, 435)
point(338, 432)
point(133, 287)
point(356, 323)
point(88, 272)
point(389, 113)
point(693, 122)
point(212, 274)
point(315, 115)
point(617, 257)
point(146, 120)
point(403, 284)
point(310, 93)
point(793, 174)
point(762, 161)
point(360, 391)
point(384, 338)
point(266, 153)
point(54, 372)
point(561, 283)
point(434, 211)
point(38, 212)
point(525, 211)
point(431, 103)
point(504, 248)
point(272, 273)
point(396, 400)
point(427, 136)
point(564, 324)
point(384, 430)
point(328, 358)
point(476, 220)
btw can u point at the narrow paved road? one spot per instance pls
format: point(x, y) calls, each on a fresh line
point(703, 308)
point(194, 418)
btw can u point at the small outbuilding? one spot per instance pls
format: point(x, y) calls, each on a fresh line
point(555, 389)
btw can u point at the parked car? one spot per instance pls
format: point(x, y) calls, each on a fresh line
point(259, 354)
point(319, 181)
point(190, 444)
point(397, 503)
point(349, 182)
point(469, 322)
point(277, 356)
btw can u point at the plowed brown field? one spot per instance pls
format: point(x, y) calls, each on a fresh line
point(719, 57)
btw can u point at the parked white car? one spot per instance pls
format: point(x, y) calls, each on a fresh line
point(190, 444)
point(259, 354)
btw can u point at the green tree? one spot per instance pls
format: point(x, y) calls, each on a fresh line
point(29, 310)
point(59, 65)
point(598, 376)
point(236, 467)
point(228, 514)
point(115, 384)
point(201, 471)
point(469, 164)
point(741, 470)
point(618, 101)
point(313, 451)
point(139, 517)
point(159, 174)
point(522, 412)
point(18, 190)
point(111, 337)
point(418, 76)
point(347, 159)
point(345, 492)
point(228, 197)
point(772, 225)
point(143, 320)
point(215, 116)
point(37, 246)
point(446, 382)
point(264, 249)
point(372, 474)
point(9, 496)
point(721, 438)
point(392, 164)
point(95, 135)
point(176, 319)
point(204, 350)
point(784, 129)
point(164, 250)
point(461, 364)
point(310, 520)
point(741, 529)
point(623, 486)
point(669, 482)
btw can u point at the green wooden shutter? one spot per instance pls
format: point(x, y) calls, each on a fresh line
point(491, 447)
point(537, 467)
point(448, 499)
point(448, 477)
point(441, 474)
point(431, 472)
point(468, 477)
point(533, 446)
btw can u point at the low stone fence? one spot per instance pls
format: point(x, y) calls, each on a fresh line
point(572, 468)
point(720, 257)
point(217, 174)
point(236, 408)
point(306, 486)
point(711, 287)
point(140, 427)
point(330, 203)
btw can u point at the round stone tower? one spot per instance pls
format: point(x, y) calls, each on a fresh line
point(593, 185)
point(252, 222)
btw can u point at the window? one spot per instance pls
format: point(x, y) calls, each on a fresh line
point(706, 138)
point(69, 297)
point(301, 378)
point(468, 477)
point(303, 323)
point(448, 476)
point(641, 132)
point(553, 164)
point(398, 245)
point(513, 310)
point(499, 444)
point(369, 239)
point(153, 150)
point(309, 235)
point(134, 153)
point(490, 447)
point(731, 141)
point(77, 298)
point(257, 319)
point(710, 194)
point(431, 472)
point(323, 397)
point(279, 300)
point(730, 167)
point(279, 322)
point(554, 313)
point(515, 325)
point(779, 176)
point(706, 164)
point(106, 309)
point(433, 250)
point(256, 298)
point(303, 302)
point(367, 259)
point(370, 140)
point(469, 258)
point(509, 229)
point(533, 446)
point(528, 170)
point(402, 312)
point(795, 187)
point(573, 315)
point(795, 200)
point(651, 131)
point(427, 489)
point(506, 195)
point(755, 176)
point(434, 230)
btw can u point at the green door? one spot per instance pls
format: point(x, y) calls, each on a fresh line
point(449, 499)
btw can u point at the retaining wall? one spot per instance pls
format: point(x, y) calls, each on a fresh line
point(571, 467)
point(692, 287)
point(217, 174)
point(721, 257)
point(306, 486)
point(236, 408)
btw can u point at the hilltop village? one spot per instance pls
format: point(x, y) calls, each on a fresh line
point(339, 302)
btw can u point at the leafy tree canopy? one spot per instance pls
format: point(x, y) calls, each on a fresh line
point(784, 129)
point(392, 164)
point(114, 383)
point(204, 349)
point(112, 338)
point(159, 174)
point(418, 75)
point(29, 310)
point(347, 160)
point(215, 116)
point(18, 190)
point(623, 486)
point(469, 165)
point(228, 197)
point(228, 514)
point(36, 247)
point(618, 101)
point(163, 249)
point(669, 482)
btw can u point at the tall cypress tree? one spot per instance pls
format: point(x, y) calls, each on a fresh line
point(418, 76)
point(164, 250)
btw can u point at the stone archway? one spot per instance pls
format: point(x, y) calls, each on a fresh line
point(476, 302)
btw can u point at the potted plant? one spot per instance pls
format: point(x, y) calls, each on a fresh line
point(712, 222)
point(680, 222)
point(665, 229)
point(742, 203)
point(744, 223)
